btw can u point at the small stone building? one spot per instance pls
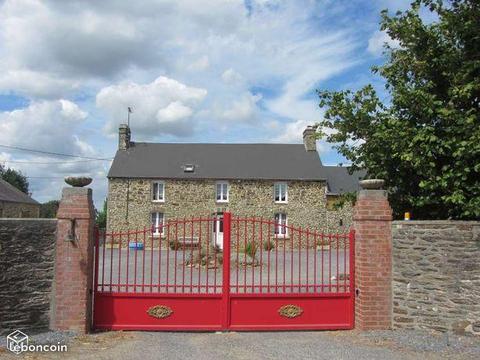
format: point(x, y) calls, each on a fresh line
point(16, 204)
point(151, 183)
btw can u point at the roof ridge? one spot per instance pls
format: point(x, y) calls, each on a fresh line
point(207, 143)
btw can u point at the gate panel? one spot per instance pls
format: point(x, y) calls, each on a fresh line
point(130, 312)
point(174, 267)
point(276, 266)
point(266, 276)
point(263, 313)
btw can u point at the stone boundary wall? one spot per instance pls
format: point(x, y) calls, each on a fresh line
point(436, 275)
point(27, 258)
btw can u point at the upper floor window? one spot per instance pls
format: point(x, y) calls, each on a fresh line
point(281, 192)
point(158, 191)
point(158, 223)
point(281, 224)
point(222, 191)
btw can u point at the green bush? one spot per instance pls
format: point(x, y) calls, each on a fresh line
point(251, 249)
point(269, 245)
point(175, 245)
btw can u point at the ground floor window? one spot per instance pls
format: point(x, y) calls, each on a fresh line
point(158, 223)
point(281, 223)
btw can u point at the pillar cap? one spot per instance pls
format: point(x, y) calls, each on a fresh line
point(372, 184)
point(75, 191)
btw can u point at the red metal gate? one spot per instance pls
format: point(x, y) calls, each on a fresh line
point(266, 276)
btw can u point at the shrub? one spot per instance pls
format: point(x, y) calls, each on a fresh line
point(175, 245)
point(251, 249)
point(269, 245)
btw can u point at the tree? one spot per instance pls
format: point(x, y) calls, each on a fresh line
point(101, 218)
point(425, 140)
point(15, 178)
point(49, 209)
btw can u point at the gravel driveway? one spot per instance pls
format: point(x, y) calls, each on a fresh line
point(331, 345)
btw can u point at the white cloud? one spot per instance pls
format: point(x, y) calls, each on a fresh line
point(164, 106)
point(199, 65)
point(377, 42)
point(175, 111)
point(259, 65)
point(230, 76)
point(46, 125)
point(65, 43)
point(292, 132)
point(243, 109)
point(49, 126)
point(36, 84)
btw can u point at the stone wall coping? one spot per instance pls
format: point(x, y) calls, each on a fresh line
point(28, 219)
point(436, 222)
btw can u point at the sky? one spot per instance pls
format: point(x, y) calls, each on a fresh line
point(192, 71)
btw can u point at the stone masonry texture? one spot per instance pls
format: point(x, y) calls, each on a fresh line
point(130, 203)
point(27, 256)
point(436, 275)
point(373, 260)
point(19, 210)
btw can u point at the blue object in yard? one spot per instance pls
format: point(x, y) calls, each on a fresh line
point(135, 245)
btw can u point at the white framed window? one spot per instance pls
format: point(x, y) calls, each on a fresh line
point(158, 191)
point(221, 191)
point(281, 223)
point(158, 222)
point(280, 192)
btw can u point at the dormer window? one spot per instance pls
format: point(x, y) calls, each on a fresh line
point(189, 168)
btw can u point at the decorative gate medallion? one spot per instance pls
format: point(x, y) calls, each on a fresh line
point(290, 311)
point(160, 311)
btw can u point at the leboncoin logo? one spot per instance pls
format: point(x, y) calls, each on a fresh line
point(17, 342)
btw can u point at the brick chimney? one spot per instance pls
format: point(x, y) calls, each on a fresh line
point(309, 138)
point(123, 137)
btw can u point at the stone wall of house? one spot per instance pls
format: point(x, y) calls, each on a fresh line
point(130, 203)
point(340, 219)
point(27, 256)
point(19, 210)
point(436, 272)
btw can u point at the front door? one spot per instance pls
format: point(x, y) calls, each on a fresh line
point(217, 235)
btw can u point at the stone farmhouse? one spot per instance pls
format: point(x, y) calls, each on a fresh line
point(16, 204)
point(150, 183)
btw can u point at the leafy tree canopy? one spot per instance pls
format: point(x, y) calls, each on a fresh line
point(424, 140)
point(49, 209)
point(15, 178)
point(101, 218)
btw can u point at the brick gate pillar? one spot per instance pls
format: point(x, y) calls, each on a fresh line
point(372, 221)
point(74, 261)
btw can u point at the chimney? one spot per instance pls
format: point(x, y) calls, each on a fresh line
point(123, 137)
point(309, 138)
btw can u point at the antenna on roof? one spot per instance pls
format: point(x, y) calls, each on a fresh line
point(128, 115)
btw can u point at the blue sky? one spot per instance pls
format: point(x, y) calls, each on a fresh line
point(193, 71)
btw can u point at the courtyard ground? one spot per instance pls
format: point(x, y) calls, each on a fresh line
point(331, 345)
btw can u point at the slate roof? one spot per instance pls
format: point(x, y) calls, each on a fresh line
point(229, 161)
point(340, 181)
point(218, 161)
point(11, 194)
